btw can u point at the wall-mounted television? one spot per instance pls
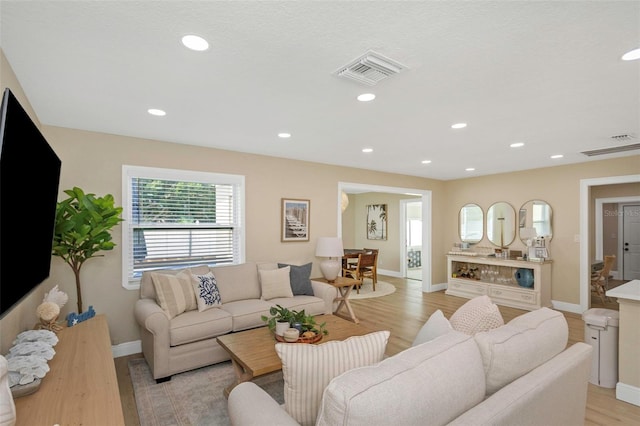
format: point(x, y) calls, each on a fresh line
point(29, 179)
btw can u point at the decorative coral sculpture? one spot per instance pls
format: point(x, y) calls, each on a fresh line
point(49, 309)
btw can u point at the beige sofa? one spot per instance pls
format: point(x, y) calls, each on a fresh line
point(521, 373)
point(188, 341)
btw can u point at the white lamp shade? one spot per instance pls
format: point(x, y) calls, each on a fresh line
point(329, 247)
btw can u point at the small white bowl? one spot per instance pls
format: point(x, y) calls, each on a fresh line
point(291, 335)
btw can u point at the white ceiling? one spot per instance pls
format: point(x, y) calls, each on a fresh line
point(548, 74)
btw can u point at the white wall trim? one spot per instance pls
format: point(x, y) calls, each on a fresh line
point(628, 393)
point(127, 348)
point(567, 307)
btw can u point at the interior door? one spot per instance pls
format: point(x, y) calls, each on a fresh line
point(413, 239)
point(631, 242)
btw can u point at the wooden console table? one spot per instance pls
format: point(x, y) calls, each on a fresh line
point(81, 387)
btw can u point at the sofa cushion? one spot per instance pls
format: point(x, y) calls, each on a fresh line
point(275, 283)
point(300, 280)
point(206, 291)
point(478, 314)
point(432, 383)
point(307, 369)
point(310, 304)
point(194, 326)
point(521, 345)
point(436, 325)
point(247, 313)
point(237, 282)
point(174, 293)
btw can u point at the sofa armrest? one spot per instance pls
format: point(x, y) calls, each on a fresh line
point(326, 292)
point(250, 405)
point(154, 335)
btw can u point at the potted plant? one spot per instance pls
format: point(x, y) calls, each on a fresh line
point(308, 324)
point(280, 319)
point(82, 229)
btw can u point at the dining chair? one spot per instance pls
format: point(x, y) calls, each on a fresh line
point(375, 267)
point(600, 279)
point(364, 268)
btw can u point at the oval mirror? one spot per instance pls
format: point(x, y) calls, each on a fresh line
point(471, 223)
point(534, 214)
point(501, 224)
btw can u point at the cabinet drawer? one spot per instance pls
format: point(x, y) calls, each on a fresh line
point(467, 287)
point(520, 296)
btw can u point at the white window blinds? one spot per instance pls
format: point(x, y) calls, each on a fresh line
point(177, 219)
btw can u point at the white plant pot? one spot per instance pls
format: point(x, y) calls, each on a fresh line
point(281, 327)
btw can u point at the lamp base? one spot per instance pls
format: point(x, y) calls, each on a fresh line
point(330, 269)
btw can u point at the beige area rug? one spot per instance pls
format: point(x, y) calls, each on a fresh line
point(366, 290)
point(191, 398)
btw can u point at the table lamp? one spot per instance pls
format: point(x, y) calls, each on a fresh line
point(330, 247)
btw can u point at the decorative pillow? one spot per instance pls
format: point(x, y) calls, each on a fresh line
point(174, 293)
point(308, 369)
point(300, 278)
point(275, 283)
point(478, 314)
point(436, 325)
point(206, 290)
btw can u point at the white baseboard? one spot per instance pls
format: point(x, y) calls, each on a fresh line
point(127, 348)
point(566, 307)
point(628, 393)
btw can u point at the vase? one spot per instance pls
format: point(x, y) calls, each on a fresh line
point(281, 327)
point(524, 277)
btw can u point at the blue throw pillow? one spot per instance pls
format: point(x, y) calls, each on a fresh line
point(299, 276)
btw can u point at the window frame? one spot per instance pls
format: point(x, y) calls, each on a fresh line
point(129, 172)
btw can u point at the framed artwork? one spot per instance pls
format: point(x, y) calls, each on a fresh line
point(295, 220)
point(376, 222)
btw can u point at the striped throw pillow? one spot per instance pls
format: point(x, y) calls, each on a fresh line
point(308, 369)
point(174, 293)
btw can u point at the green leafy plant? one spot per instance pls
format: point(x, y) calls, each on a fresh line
point(278, 314)
point(308, 322)
point(83, 228)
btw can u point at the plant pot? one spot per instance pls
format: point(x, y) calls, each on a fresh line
point(281, 327)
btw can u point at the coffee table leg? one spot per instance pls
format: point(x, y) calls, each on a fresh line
point(241, 376)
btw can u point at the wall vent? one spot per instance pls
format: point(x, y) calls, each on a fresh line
point(612, 150)
point(370, 68)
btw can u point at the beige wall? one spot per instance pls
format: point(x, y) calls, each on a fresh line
point(94, 162)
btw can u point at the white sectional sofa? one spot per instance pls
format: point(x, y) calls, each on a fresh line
point(174, 344)
point(520, 373)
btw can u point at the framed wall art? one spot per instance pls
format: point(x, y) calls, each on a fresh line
point(376, 222)
point(295, 220)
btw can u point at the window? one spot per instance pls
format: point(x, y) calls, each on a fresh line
point(177, 219)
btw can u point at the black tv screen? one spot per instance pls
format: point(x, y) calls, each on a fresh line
point(29, 179)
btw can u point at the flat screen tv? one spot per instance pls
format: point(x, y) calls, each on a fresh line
point(29, 179)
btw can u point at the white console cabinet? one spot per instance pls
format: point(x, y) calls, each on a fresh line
point(495, 277)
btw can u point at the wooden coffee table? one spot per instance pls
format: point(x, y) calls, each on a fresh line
point(253, 352)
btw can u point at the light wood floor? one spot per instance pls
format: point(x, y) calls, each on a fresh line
point(403, 313)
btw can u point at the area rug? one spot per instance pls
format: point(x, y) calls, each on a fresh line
point(366, 290)
point(191, 398)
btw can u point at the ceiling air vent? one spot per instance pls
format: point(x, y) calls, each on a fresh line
point(612, 150)
point(370, 68)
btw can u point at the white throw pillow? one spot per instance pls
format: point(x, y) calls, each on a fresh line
point(308, 369)
point(174, 293)
point(275, 283)
point(206, 290)
point(476, 315)
point(436, 325)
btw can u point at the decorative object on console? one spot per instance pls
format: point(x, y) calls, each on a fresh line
point(49, 310)
point(83, 228)
point(330, 247)
point(74, 318)
point(524, 277)
point(295, 220)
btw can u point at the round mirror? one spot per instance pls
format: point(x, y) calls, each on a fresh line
point(471, 223)
point(501, 224)
point(534, 215)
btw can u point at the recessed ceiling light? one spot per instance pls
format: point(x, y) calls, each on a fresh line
point(367, 150)
point(632, 55)
point(195, 42)
point(470, 169)
point(157, 112)
point(284, 135)
point(557, 156)
point(366, 97)
point(426, 161)
point(517, 144)
point(459, 126)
